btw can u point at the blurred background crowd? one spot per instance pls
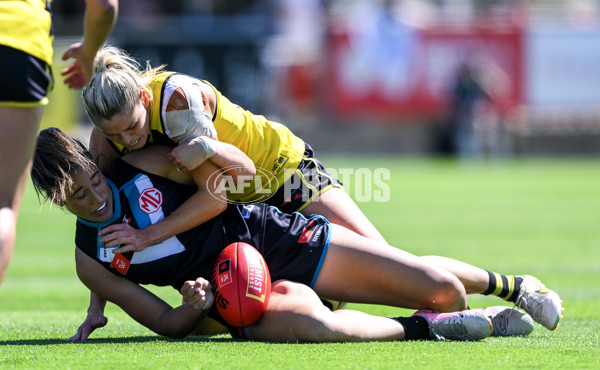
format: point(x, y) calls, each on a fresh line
point(471, 78)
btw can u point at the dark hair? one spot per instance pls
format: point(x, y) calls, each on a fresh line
point(57, 157)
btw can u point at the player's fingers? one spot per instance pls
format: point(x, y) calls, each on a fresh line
point(72, 83)
point(67, 54)
point(190, 296)
point(123, 249)
point(202, 283)
point(66, 71)
point(121, 242)
point(186, 287)
point(198, 301)
point(111, 237)
point(68, 81)
point(210, 299)
point(126, 245)
point(199, 305)
point(77, 83)
point(111, 229)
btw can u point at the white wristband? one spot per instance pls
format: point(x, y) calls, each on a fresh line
point(207, 144)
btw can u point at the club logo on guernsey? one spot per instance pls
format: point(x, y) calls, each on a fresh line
point(150, 200)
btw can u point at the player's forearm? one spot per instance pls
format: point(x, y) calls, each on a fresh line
point(198, 209)
point(180, 321)
point(232, 160)
point(100, 17)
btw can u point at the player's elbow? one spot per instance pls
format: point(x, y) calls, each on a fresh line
point(174, 334)
point(174, 330)
point(220, 208)
point(217, 206)
point(249, 168)
point(109, 7)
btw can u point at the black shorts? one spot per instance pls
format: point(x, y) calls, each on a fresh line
point(26, 80)
point(309, 180)
point(292, 245)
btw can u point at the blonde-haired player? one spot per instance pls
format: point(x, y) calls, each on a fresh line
point(133, 106)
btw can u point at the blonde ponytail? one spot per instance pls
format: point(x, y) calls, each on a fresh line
point(115, 85)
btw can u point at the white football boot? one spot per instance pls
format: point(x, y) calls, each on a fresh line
point(508, 321)
point(543, 304)
point(466, 325)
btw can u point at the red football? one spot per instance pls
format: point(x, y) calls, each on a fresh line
point(241, 284)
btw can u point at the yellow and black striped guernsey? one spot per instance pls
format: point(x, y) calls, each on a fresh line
point(272, 146)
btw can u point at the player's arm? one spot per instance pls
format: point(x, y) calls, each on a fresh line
point(95, 318)
point(234, 163)
point(102, 152)
point(138, 302)
point(206, 203)
point(189, 118)
point(99, 19)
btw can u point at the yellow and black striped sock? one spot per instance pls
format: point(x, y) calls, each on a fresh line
point(503, 286)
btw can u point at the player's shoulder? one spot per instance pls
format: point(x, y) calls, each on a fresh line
point(177, 101)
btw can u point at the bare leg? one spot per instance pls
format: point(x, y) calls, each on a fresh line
point(8, 230)
point(473, 278)
point(337, 206)
point(357, 269)
point(340, 209)
point(18, 127)
point(307, 320)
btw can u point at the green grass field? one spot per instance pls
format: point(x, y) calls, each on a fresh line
point(539, 217)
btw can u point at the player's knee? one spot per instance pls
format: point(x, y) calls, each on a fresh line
point(298, 306)
point(290, 288)
point(448, 295)
point(321, 326)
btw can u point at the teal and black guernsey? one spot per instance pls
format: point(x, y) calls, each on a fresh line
point(293, 246)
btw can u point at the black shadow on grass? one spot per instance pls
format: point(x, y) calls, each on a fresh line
point(140, 339)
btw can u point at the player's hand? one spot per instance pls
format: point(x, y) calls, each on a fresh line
point(92, 322)
point(197, 294)
point(80, 71)
point(187, 156)
point(129, 238)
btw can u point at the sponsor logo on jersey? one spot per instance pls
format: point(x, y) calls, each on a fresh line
point(317, 235)
point(304, 238)
point(279, 163)
point(307, 232)
point(247, 211)
point(120, 263)
point(224, 277)
point(150, 200)
point(106, 254)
